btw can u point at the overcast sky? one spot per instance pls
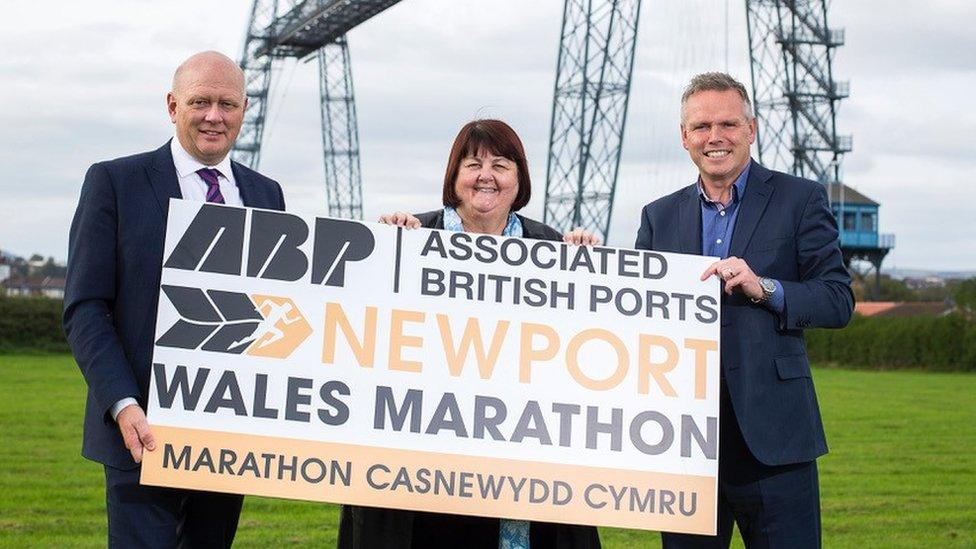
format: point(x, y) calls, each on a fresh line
point(86, 81)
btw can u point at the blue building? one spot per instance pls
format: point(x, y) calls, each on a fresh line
point(857, 219)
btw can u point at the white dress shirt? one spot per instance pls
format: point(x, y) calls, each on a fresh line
point(193, 187)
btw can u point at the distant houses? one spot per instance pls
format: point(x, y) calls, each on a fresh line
point(32, 277)
point(34, 286)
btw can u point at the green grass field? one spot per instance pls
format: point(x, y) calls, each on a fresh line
point(901, 472)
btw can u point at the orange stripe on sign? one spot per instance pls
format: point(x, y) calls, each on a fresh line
point(428, 481)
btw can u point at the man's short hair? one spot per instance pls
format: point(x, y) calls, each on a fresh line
point(716, 81)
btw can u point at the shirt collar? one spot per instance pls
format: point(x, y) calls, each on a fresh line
point(738, 188)
point(452, 222)
point(186, 165)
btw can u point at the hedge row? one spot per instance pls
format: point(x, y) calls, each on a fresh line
point(929, 343)
point(31, 324)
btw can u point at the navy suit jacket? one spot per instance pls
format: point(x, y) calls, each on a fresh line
point(784, 231)
point(115, 254)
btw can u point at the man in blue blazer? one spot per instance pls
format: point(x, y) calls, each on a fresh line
point(114, 265)
point(782, 271)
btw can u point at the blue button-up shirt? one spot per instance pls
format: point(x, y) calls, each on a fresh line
point(718, 222)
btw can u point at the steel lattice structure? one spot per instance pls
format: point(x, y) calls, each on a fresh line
point(257, 82)
point(340, 138)
point(791, 49)
point(796, 97)
point(791, 53)
point(589, 112)
point(302, 28)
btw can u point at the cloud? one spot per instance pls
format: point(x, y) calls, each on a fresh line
point(915, 38)
point(85, 82)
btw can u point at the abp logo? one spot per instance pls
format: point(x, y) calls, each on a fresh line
point(234, 322)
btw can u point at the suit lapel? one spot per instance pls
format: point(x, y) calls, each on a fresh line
point(163, 179)
point(246, 186)
point(689, 215)
point(757, 194)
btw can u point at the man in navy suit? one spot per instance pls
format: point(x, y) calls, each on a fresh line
point(114, 265)
point(782, 271)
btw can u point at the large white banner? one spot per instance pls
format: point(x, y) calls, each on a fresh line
point(359, 363)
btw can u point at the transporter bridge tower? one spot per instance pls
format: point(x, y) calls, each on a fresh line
point(589, 112)
point(796, 98)
point(301, 29)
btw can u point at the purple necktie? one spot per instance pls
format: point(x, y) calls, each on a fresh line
point(209, 177)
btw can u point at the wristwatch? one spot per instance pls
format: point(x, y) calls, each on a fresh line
point(768, 287)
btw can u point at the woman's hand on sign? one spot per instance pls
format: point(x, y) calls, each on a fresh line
point(400, 219)
point(581, 237)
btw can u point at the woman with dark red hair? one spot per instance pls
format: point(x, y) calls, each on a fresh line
point(486, 182)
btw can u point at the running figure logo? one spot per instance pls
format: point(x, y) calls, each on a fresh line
point(234, 322)
point(282, 329)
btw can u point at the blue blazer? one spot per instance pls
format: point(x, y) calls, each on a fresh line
point(784, 231)
point(115, 254)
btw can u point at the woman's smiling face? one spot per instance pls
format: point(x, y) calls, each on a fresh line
point(487, 183)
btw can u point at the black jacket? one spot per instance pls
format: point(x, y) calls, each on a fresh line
point(530, 227)
point(115, 255)
point(368, 527)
